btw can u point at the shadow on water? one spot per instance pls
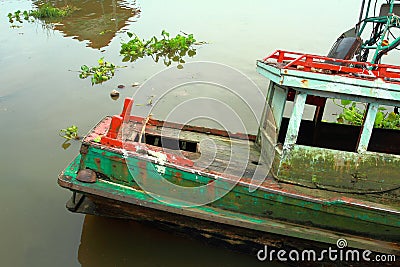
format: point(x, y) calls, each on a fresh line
point(114, 242)
point(95, 21)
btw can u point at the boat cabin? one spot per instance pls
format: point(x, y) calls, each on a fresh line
point(360, 157)
point(315, 153)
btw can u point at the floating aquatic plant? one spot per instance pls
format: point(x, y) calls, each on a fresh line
point(166, 48)
point(101, 73)
point(45, 11)
point(17, 16)
point(70, 133)
point(169, 49)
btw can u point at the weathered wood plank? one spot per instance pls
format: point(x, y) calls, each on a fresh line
point(367, 128)
point(295, 120)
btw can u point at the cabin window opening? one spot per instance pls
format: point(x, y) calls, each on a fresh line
point(332, 129)
point(385, 137)
point(308, 114)
point(169, 143)
point(307, 119)
point(309, 111)
point(337, 124)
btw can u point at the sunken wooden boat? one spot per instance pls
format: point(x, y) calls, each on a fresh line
point(317, 182)
point(314, 192)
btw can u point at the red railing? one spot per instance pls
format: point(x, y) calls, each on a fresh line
point(326, 65)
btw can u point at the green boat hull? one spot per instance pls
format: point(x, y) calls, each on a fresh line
point(267, 210)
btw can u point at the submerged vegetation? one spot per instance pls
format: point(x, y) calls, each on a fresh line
point(45, 11)
point(101, 73)
point(169, 49)
point(353, 115)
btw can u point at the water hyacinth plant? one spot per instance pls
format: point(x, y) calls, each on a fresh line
point(169, 49)
point(70, 133)
point(45, 11)
point(101, 73)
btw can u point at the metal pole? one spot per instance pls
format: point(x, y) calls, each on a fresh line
point(361, 12)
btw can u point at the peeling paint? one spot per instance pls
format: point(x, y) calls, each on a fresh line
point(304, 83)
point(160, 169)
point(159, 157)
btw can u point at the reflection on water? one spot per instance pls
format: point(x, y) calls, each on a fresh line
point(95, 21)
point(112, 242)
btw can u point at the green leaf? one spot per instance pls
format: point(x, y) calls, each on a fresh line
point(379, 118)
point(97, 139)
point(392, 117)
point(165, 33)
point(346, 102)
point(191, 53)
point(348, 118)
point(182, 53)
point(85, 68)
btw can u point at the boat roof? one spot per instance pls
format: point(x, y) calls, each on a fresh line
point(333, 78)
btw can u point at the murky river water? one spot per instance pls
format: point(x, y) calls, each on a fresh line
point(40, 93)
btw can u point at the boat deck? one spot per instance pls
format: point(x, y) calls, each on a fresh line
point(216, 160)
point(209, 153)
